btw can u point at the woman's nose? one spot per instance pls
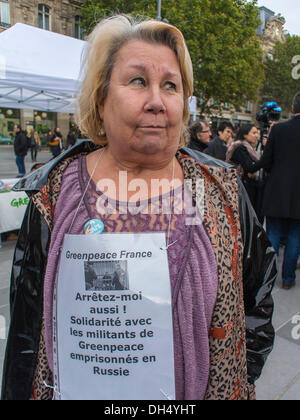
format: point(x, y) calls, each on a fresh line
point(154, 102)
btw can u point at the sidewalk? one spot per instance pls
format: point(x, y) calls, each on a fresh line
point(8, 167)
point(6, 254)
point(281, 375)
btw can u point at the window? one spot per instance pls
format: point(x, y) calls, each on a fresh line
point(248, 107)
point(44, 17)
point(78, 28)
point(4, 13)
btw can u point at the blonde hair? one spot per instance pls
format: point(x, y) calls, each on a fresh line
point(104, 43)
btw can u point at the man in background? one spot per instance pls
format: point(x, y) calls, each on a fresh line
point(281, 202)
point(217, 148)
point(71, 138)
point(200, 135)
point(20, 148)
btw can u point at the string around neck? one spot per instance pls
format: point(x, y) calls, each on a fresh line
point(101, 152)
point(168, 245)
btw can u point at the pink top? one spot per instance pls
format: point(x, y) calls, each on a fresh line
point(193, 274)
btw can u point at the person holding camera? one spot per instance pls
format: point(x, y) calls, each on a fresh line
point(281, 202)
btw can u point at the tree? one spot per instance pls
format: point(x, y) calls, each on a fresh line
point(221, 37)
point(283, 73)
point(93, 11)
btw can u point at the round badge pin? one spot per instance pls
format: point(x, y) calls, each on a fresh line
point(94, 227)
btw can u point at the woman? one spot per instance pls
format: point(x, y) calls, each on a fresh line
point(35, 143)
point(243, 155)
point(55, 143)
point(134, 101)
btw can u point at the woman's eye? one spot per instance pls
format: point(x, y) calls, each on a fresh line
point(170, 86)
point(139, 81)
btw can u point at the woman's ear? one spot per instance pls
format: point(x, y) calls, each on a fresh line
point(100, 108)
point(100, 111)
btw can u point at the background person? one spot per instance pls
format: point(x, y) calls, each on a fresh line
point(134, 102)
point(231, 139)
point(281, 202)
point(71, 138)
point(47, 137)
point(217, 148)
point(242, 154)
point(200, 135)
point(34, 143)
point(55, 142)
point(20, 148)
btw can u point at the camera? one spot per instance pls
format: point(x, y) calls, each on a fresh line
point(269, 112)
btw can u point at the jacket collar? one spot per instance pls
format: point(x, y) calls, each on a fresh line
point(197, 145)
point(36, 180)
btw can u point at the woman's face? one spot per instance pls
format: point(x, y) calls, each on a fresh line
point(143, 110)
point(253, 136)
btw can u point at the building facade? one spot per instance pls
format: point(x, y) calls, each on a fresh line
point(4, 14)
point(60, 16)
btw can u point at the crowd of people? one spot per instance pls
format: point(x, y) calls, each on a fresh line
point(30, 142)
point(269, 170)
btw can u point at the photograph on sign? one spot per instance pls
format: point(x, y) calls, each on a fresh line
point(106, 275)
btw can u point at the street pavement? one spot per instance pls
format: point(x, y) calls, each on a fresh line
point(281, 375)
point(8, 167)
point(280, 379)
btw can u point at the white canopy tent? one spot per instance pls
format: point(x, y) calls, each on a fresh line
point(39, 69)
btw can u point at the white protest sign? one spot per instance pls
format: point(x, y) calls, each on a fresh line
point(193, 104)
point(113, 333)
point(12, 206)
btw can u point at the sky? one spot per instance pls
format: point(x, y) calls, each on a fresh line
point(290, 10)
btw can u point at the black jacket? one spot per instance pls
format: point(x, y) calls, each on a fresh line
point(242, 157)
point(20, 144)
point(253, 186)
point(217, 148)
point(30, 259)
point(71, 140)
point(281, 159)
point(197, 145)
